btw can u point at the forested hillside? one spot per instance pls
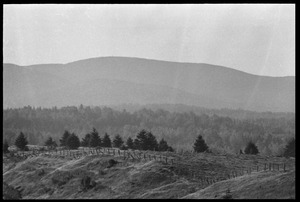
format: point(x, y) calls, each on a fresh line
point(178, 129)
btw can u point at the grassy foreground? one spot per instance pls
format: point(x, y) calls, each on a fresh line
point(110, 177)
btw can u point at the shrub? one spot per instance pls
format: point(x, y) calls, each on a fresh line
point(251, 148)
point(111, 163)
point(87, 183)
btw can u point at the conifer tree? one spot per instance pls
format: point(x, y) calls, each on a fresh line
point(129, 143)
point(118, 141)
point(73, 141)
point(136, 144)
point(86, 140)
point(163, 145)
point(200, 145)
point(50, 143)
point(140, 140)
point(150, 143)
point(95, 139)
point(63, 140)
point(21, 142)
point(106, 141)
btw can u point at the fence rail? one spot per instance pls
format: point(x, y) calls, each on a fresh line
point(138, 156)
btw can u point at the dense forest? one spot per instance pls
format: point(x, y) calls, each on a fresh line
point(222, 134)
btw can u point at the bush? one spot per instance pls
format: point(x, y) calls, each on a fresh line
point(87, 183)
point(40, 172)
point(111, 163)
point(251, 149)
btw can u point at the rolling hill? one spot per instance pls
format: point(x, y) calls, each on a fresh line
point(56, 177)
point(118, 80)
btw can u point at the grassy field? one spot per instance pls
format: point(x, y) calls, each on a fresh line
point(191, 176)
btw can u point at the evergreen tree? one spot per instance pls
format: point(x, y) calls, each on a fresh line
point(140, 140)
point(150, 143)
point(289, 150)
point(163, 145)
point(21, 142)
point(5, 147)
point(118, 141)
point(136, 144)
point(86, 140)
point(251, 148)
point(106, 141)
point(73, 141)
point(200, 145)
point(145, 141)
point(50, 143)
point(129, 143)
point(63, 141)
point(95, 139)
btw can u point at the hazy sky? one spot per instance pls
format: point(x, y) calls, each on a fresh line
point(258, 39)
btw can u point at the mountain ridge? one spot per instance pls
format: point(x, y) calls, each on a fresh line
point(222, 86)
point(149, 59)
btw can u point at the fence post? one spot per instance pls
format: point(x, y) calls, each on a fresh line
point(166, 160)
point(257, 168)
point(270, 166)
point(284, 167)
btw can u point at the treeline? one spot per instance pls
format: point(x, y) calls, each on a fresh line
point(178, 129)
point(144, 140)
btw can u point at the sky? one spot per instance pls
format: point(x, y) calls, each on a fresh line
point(254, 38)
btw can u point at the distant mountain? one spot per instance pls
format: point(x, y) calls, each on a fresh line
point(117, 80)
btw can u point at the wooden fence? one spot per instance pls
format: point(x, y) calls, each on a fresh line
point(138, 156)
